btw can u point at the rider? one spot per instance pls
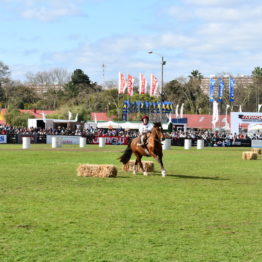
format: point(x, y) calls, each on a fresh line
point(144, 129)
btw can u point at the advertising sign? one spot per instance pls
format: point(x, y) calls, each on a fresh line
point(112, 140)
point(3, 139)
point(66, 140)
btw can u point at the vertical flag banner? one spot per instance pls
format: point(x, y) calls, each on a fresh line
point(177, 110)
point(69, 115)
point(121, 83)
point(220, 90)
point(215, 114)
point(181, 111)
point(240, 109)
point(142, 84)
point(211, 89)
point(153, 85)
point(231, 89)
point(130, 83)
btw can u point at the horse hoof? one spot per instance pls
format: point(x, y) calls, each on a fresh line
point(163, 173)
point(145, 174)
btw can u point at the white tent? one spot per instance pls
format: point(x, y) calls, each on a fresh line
point(255, 128)
point(124, 125)
point(109, 124)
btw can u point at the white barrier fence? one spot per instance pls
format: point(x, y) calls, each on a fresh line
point(102, 141)
point(200, 144)
point(65, 140)
point(166, 144)
point(188, 144)
point(26, 142)
point(256, 143)
point(82, 142)
point(56, 141)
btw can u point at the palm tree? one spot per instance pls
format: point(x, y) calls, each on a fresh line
point(195, 74)
point(257, 76)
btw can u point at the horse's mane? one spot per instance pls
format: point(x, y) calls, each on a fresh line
point(157, 124)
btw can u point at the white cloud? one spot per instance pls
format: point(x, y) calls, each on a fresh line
point(45, 14)
point(43, 10)
point(210, 36)
point(215, 2)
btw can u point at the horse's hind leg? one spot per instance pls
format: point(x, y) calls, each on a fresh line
point(139, 162)
point(135, 168)
point(141, 166)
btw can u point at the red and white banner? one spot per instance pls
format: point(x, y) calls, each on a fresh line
point(130, 83)
point(142, 84)
point(121, 83)
point(153, 85)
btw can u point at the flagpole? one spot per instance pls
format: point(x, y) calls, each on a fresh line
point(118, 106)
point(219, 112)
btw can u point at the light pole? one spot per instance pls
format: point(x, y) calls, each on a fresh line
point(163, 62)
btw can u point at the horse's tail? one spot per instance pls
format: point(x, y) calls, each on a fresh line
point(127, 154)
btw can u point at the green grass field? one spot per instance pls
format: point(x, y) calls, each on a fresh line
point(208, 208)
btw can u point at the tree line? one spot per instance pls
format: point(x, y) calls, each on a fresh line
point(77, 93)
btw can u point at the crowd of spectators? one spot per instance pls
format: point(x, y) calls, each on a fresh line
point(10, 130)
point(207, 135)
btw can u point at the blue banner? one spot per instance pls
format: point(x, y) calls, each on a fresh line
point(147, 107)
point(211, 89)
point(231, 90)
point(220, 90)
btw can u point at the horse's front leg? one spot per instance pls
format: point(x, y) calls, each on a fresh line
point(159, 160)
point(163, 171)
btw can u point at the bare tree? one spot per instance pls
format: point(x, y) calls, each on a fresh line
point(55, 76)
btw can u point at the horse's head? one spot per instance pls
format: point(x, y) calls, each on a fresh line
point(159, 131)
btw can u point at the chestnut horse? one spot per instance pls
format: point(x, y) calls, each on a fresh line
point(154, 149)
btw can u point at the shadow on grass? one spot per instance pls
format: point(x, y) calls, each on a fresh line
point(200, 177)
point(155, 173)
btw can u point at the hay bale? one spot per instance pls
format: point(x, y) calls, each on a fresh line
point(97, 170)
point(257, 150)
point(148, 166)
point(249, 155)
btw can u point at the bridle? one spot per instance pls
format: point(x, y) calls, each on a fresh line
point(158, 137)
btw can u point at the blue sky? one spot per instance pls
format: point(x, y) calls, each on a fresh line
point(212, 36)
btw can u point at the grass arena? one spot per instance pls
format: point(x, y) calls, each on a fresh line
point(207, 208)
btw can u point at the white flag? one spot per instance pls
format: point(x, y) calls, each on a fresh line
point(44, 117)
point(226, 123)
point(215, 114)
point(240, 109)
point(181, 110)
point(95, 119)
point(76, 117)
point(177, 110)
point(69, 115)
point(259, 106)
point(169, 118)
